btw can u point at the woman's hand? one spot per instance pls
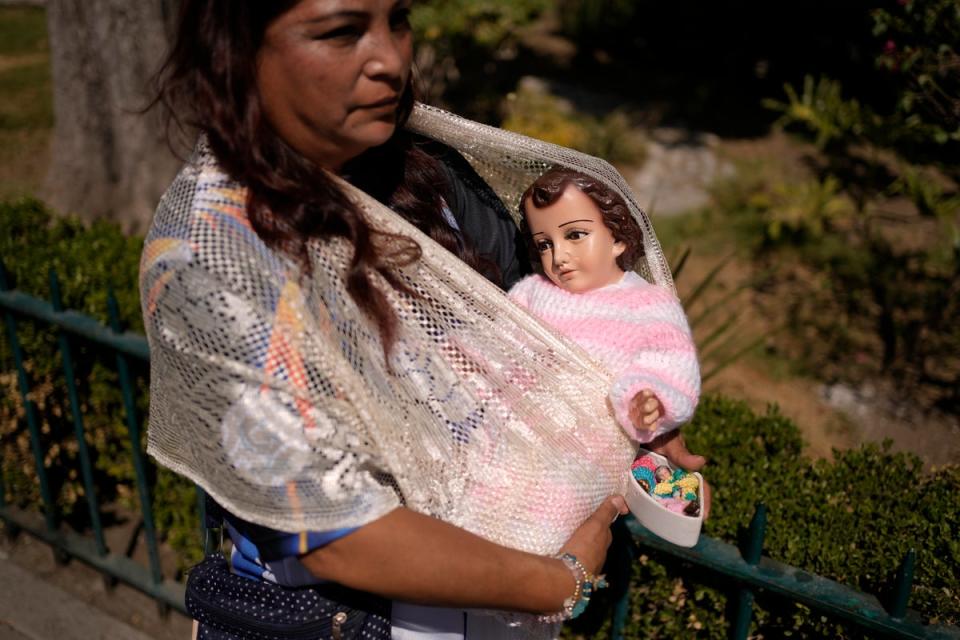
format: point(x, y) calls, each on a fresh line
point(590, 541)
point(673, 448)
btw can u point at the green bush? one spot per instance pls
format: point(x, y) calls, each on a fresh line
point(536, 113)
point(850, 519)
point(884, 285)
point(89, 261)
point(488, 23)
point(866, 256)
point(591, 22)
point(920, 52)
point(916, 49)
point(462, 48)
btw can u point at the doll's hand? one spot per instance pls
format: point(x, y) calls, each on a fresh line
point(645, 410)
point(673, 448)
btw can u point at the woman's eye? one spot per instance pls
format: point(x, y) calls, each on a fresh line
point(346, 32)
point(400, 19)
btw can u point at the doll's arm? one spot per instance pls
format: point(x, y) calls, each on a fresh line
point(663, 361)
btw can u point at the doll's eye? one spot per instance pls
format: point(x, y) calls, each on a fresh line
point(576, 235)
point(543, 245)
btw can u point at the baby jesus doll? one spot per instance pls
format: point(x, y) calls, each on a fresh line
point(588, 244)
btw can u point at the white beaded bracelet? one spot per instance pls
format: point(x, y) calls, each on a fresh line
point(586, 584)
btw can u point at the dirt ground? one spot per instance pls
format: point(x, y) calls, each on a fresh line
point(842, 418)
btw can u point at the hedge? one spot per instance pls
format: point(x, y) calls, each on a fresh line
point(850, 519)
point(89, 261)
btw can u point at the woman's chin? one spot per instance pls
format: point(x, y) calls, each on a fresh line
point(376, 132)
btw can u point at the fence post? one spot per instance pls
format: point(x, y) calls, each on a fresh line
point(751, 554)
point(903, 582)
point(86, 468)
point(620, 558)
point(33, 423)
point(133, 426)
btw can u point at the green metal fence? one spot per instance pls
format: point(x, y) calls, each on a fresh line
point(91, 549)
point(748, 572)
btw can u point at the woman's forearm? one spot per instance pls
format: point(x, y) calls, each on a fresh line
point(408, 556)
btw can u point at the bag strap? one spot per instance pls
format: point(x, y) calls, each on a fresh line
point(212, 525)
point(213, 512)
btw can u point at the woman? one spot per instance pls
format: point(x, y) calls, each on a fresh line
point(291, 98)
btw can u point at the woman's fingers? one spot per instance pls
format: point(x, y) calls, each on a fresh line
point(609, 510)
point(689, 461)
point(590, 541)
point(707, 496)
point(672, 446)
point(618, 505)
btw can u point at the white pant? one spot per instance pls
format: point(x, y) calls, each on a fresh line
point(416, 622)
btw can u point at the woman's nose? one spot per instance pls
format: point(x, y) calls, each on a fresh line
point(390, 57)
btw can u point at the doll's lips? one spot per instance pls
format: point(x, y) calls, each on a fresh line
point(566, 275)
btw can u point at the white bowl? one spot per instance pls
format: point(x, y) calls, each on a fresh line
point(680, 529)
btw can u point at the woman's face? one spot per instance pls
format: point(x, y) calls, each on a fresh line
point(330, 74)
point(577, 250)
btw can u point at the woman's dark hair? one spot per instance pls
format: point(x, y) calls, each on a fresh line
point(548, 188)
point(208, 84)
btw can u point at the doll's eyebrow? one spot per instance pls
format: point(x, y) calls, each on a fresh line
point(574, 221)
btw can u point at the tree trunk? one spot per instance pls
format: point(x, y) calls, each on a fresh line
point(108, 160)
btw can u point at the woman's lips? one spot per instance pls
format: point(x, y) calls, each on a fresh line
point(390, 101)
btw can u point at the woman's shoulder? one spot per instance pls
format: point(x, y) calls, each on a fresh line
point(201, 227)
point(187, 194)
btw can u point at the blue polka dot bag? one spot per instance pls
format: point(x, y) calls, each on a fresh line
point(232, 607)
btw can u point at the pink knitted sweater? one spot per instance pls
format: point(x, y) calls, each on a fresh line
point(637, 330)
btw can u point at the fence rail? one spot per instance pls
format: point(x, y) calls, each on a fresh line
point(749, 572)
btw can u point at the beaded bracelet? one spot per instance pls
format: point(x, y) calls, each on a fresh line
point(586, 585)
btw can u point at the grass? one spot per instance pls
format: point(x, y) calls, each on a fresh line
point(26, 101)
point(23, 30)
point(27, 104)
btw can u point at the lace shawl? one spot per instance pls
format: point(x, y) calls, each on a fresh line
point(269, 388)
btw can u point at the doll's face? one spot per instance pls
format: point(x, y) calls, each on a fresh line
point(663, 474)
point(577, 250)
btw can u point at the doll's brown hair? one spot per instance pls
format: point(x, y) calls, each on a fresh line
point(548, 188)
